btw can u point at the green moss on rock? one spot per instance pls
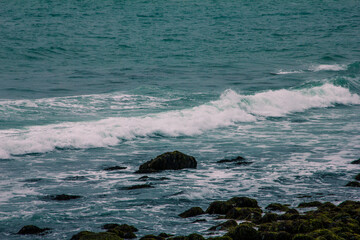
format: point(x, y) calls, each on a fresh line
point(86, 235)
point(194, 211)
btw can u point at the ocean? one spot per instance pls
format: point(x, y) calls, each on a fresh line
point(86, 85)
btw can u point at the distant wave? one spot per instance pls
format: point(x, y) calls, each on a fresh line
point(328, 67)
point(231, 108)
point(283, 72)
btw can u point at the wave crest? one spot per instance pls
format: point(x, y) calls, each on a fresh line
point(231, 108)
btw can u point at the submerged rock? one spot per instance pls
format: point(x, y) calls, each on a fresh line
point(32, 229)
point(62, 197)
point(114, 168)
point(353, 184)
point(192, 212)
point(356, 161)
point(140, 186)
point(237, 159)
point(75, 178)
point(357, 177)
point(168, 161)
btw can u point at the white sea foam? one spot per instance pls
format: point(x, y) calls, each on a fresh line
point(283, 72)
point(328, 67)
point(230, 109)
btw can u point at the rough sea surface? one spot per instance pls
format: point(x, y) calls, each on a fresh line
point(86, 85)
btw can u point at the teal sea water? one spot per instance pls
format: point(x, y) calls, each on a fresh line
point(86, 85)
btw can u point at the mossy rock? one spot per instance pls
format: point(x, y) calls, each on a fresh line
point(302, 237)
point(220, 238)
point(310, 204)
point(122, 227)
point(276, 236)
point(269, 217)
point(325, 234)
point(224, 226)
point(195, 236)
point(165, 235)
point(277, 207)
point(86, 235)
point(219, 207)
point(122, 234)
point(168, 161)
point(291, 214)
point(242, 202)
point(251, 214)
point(178, 238)
point(32, 229)
point(152, 237)
point(192, 212)
point(244, 231)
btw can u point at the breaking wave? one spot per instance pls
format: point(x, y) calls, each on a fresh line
point(230, 109)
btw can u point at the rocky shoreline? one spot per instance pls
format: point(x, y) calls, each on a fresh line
point(242, 217)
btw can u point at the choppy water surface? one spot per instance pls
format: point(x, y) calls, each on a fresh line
point(87, 85)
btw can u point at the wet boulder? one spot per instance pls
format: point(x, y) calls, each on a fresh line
point(277, 207)
point(114, 168)
point(309, 204)
point(356, 161)
point(32, 229)
point(224, 226)
point(62, 197)
point(192, 212)
point(244, 231)
point(222, 207)
point(353, 184)
point(86, 235)
point(168, 161)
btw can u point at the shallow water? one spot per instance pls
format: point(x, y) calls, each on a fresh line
point(87, 85)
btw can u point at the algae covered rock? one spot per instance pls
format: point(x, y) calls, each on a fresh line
point(277, 207)
point(86, 235)
point(168, 161)
point(192, 212)
point(223, 226)
point(32, 229)
point(310, 204)
point(123, 231)
point(251, 214)
point(244, 231)
point(222, 207)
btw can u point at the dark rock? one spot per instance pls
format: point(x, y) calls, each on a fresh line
point(168, 161)
point(251, 214)
point(237, 159)
point(165, 235)
point(222, 207)
point(144, 178)
point(195, 236)
point(349, 204)
point(310, 204)
point(114, 168)
point(357, 177)
point(302, 237)
point(122, 227)
point(224, 226)
point(277, 207)
point(244, 231)
point(199, 221)
point(86, 235)
point(122, 232)
point(192, 212)
point(220, 238)
point(140, 186)
point(219, 207)
point(356, 161)
point(152, 237)
point(31, 229)
point(276, 236)
point(353, 184)
point(243, 202)
point(63, 197)
point(269, 217)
